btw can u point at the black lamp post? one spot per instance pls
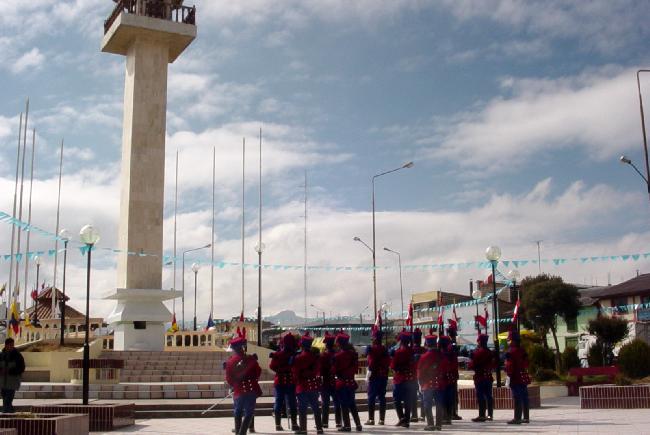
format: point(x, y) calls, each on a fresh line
point(89, 236)
point(195, 269)
point(374, 258)
point(66, 238)
point(493, 254)
point(183, 282)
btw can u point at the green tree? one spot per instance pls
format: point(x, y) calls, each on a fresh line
point(546, 297)
point(608, 332)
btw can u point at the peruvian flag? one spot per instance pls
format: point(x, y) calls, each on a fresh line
point(515, 313)
point(482, 321)
point(409, 318)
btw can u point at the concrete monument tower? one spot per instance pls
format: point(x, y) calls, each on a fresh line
point(151, 34)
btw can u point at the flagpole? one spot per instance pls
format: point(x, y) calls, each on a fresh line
point(29, 217)
point(13, 227)
point(305, 256)
point(214, 165)
point(20, 203)
point(243, 220)
point(175, 214)
point(56, 241)
point(259, 258)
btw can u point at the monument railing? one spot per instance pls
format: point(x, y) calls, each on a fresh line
point(171, 10)
point(196, 341)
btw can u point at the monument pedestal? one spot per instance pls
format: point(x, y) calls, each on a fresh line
point(139, 318)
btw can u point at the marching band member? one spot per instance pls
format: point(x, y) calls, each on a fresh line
point(308, 382)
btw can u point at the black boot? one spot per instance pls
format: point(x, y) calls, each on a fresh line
point(490, 409)
point(294, 421)
point(251, 427)
point(371, 415)
point(302, 418)
point(407, 416)
point(355, 417)
point(526, 414)
point(237, 424)
point(345, 416)
point(278, 422)
point(517, 419)
point(318, 421)
point(414, 411)
point(325, 416)
point(431, 426)
point(481, 412)
point(382, 414)
point(337, 415)
point(440, 415)
point(245, 424)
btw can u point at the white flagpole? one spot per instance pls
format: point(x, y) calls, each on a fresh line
point(175, 213)
point(20, 201)
point(214, 164)
point(13, 227)
point(243, 220)
point(305, 256)
point(56, 242)
point(29, 216)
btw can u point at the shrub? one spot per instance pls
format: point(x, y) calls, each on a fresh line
point(540, 358)
point(622, 380)
point(570, 358)
point(595, 355)
point(634, 359)
point(542, 375)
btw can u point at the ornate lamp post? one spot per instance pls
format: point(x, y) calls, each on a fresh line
point(89, 236)
point(65, 235)
point(195, 269)
point(493, 254)
point(183, 281)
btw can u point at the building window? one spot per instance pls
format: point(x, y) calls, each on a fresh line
point(139, 324)
point(620, 305)
point(572, 324)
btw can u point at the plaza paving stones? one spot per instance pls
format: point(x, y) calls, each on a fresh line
point(561, 415)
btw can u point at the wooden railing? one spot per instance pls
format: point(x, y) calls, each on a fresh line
point(153, 9)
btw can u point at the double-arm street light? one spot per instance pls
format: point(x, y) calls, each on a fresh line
point(493, 254)
point(89, 236)
point(374, 257)
point(401, 288)
point(183, 280)
point(645, 138)
point(65, 235)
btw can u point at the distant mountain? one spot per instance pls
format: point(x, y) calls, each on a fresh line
point(286, 317)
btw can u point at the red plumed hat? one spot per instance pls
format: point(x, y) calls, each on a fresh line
point(342, 338)
point(239, 339)
point(328, 338)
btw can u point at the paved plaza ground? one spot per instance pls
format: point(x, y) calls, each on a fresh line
point(561, 415)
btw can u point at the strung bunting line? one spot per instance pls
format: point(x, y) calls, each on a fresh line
point(169, 259)
point(433, 325)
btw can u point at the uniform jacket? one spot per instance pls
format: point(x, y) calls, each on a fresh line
point(403, 365)
point(306, 371)
point(482, 363)
point(242, 374)
point(281, 365)
point(12, 366)
point(326, 365)
point(452, 355)
point(378, 361)
point(431, 371)
point(346, 364)
point(517, 366)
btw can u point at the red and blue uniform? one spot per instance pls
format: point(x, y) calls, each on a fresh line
point(482, 363)
point(517, 371)
point(328, 381)
point(432, 378)
point(346, 365)
point(242, 374)
point(378, 367)
point(284, 387)
point(403, 365)
point(306, 374)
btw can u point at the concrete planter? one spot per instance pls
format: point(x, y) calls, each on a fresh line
point(102, 417)
point(502, 398)
point(615, 397)
point(46, 424)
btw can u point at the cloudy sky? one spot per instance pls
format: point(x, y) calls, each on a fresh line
point(514, 113)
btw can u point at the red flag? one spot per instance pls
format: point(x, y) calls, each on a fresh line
point(241, 317)
point(409, 318)
point(515, 313)
point(441, 323)
point(482, 321)
point(34, 294)
point(378, 319)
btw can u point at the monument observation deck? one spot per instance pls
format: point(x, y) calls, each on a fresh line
point(172, 10)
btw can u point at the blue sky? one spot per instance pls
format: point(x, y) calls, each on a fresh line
point(514, 113)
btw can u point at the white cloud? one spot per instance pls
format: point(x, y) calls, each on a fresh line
point(32, 60)
point(595, 111)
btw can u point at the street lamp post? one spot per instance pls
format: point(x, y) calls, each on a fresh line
point(374, 259)
point(514, 275)
point(645, 139)
point(183, 281)
point(65, 235)
point(195, 269)
point(401, 288)
point(89, 236)
point(493, 254)
point(259, 248)
point(358, 239)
